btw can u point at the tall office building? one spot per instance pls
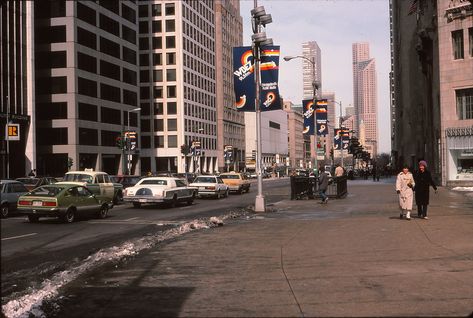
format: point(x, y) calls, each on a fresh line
point(16, 86)
point(311, 51)
point(230, 122)
point(365, 94)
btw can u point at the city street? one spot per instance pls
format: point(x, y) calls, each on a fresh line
point(31, 252)
point(351, 257)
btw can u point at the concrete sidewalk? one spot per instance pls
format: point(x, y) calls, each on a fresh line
point(351, 257)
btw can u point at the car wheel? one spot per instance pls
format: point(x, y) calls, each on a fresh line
point(118, 198)
point(137, 205)
point(69, 217)
point(4, 210)
point(240, 191)
point(191, 200)
point(248, 190)
point(226, 193)
point(33, 218)
point(218, 195)
point(173, 202)
point(102, 214)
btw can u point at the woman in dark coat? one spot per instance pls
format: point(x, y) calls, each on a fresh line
point(423, 180)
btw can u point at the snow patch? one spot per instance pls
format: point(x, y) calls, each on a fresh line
point(30, 304)
point(466, 189)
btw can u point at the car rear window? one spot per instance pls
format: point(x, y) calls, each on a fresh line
point(46, 191)
point(155, 182)
point(204, 180)
point(76, 177)
point(229, 176)
point(31, 181)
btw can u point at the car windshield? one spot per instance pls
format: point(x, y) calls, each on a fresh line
point(77, 177)
point(155, 182)
point(204, 180)
point(229, 176)
point(32, 181)
point(46, 191)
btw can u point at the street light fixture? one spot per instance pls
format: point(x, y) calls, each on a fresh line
point(128, 146)
point(315, 87)
point(259, 19)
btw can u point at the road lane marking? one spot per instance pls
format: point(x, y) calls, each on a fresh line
point(131, 219)
point(19, 236)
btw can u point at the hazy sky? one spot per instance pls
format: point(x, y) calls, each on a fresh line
point(334, 25)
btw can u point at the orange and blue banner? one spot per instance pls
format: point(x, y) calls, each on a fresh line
point(269, 95)
point(321, 117)
point(308, 113)
point(337, 139)
point(345, 134)
point(244, 79)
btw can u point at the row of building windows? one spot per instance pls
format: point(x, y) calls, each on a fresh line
point(158, 92)
point(144, 10)
point(458, 44)
point(89, 15)
point(156, 26)
point(157, 59)
point(157, 42)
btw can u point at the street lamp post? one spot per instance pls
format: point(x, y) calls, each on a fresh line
point(259, 19)
point(128, 146)
point(7, 138)
point(315, 87)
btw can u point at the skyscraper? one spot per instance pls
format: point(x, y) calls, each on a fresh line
point(311, 50)
point(365, 94)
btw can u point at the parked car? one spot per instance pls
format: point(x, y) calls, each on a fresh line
point(125, 181)
point(64, 201)
point(34, 182)
point(210, 186)
point(97, 182)
point(169, 190)
point(236, 181)
point(10, 191)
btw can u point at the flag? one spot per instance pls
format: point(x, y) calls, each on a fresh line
point(269, 94)
point(244, 79)
point(321, 117)
point(308, 107)
point(413, 7)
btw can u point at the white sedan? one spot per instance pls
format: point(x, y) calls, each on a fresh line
point(210, 186)
point(160, 190)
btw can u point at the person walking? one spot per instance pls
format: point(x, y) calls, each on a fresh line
point(339, 171)
point(404, 188)
point(423, 181)
point(323, 184)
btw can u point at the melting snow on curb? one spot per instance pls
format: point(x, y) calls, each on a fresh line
point(467, 189)
point(30, 304)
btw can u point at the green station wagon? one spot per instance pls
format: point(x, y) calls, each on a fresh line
point(65, 201)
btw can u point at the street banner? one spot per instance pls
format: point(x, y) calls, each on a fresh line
point(321, 117)
point(244, 79)
point(131, 140)
point(269, 95)
point(345, 134)
point(337, 139)
point(307, 106)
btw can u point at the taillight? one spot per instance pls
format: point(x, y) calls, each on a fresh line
point(210, 188)
point(49, 203)
point(24, 202)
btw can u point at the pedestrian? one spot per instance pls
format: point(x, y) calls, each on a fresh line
point(404, 188)
point(293, 185)
point(323, 184)
point(423, 181)
point(339, 171)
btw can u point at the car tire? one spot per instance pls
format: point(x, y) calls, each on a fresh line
point(173, 202)
point(102, 214)
point(218, 195)
point(118, 198)
point(191, 200)
point(33, 218)
point(226, 193)
point(137, 205)
point(240, 191)
point(248, 190)
point(5, 210)
point(70, 216)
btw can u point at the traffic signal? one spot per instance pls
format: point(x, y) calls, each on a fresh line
point(120, 142)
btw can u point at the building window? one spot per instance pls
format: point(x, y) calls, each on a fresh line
point(109, 25)
point(156, 26)
point(128, 34)
point(457, 44)
point(52, 85)
point(170, 26)
point(170, 42)
point(157, 75)
point(109, 47)
point(171, 75)
point(88, 137)
point(159, 125)
point(145, 125)
point(86, 14)
point(129, 76)
point(144, 59)
point(51, 34)
point(156, 10)
point(157, 43)
point(55, 59)
point(470, 37)
point(144, 27)
point(171, 58)
point(172, 108)
point(144, 44)
point(157, 59)
point(110, 116)
point(274, 125)
point(144, 76)
point(128, 13)
point(88, 112)
point(158, 108)
point(143, 10)
point(159, 141)
point(48, 111)
point(86, 38)
point(172, 124)
point(87, 87)
point(145, 143)
point(129, 55)
point(108, 138)
point(169, 9)
point(172, 141)
point(464, 103)
point(171, 91)
point(110, 93)
point(109, 70)
point(158, 92)
point(110, 5)
point(144, 92)
point(130, 98)
point(52, 136)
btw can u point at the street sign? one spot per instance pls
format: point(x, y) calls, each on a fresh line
point(13, 131)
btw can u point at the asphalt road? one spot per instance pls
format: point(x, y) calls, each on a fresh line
point(32, 252)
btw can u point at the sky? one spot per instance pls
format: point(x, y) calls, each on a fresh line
point(335, 25)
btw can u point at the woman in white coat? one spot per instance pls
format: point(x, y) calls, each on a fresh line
point(404, 184)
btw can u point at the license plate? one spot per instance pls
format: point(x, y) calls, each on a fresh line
point(142, 200)
point(37, 203)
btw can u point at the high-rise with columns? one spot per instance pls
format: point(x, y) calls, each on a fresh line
point(365, 94)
